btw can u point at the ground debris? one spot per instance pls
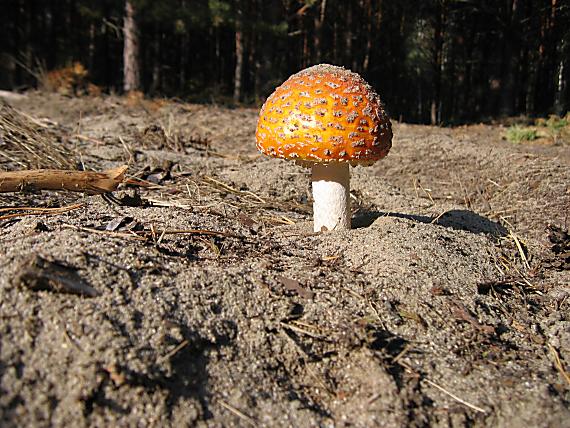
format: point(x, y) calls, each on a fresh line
point(295, 286)
point(486, 287)
point(117, 223)
point(157, 137)
point(156, 174)
point(413, 316)
point(37, 273)
point(461, 313)
point(126, 200)
point(560, 258)
point(28, 142)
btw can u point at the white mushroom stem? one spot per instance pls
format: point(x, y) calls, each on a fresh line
point(331, 194)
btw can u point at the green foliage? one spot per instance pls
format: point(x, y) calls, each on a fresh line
point(278, 29)
point(169, 14)
point(557, 128)
point(556, 123)
point(89, 12)
point(418, 48)
point(518, 134)
point(220, 12)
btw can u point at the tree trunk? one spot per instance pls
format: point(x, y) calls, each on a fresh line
point(335, 42)
point(370, 31)
point(184, 43)
point(28, 47)
point(131, 71)
point(91, 48)
point(561, 82)
point(239, 53)
point(435, 113)
point(306, 54)
point(561, 71)
point(54, 29)
point(511, 61)
point(156, 79)
point(183, 54)
point(319, 20)
point(534, 60)
point(348, 36)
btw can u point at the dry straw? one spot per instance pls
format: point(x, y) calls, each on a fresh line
point(29, 143)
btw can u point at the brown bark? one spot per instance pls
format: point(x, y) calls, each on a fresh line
point(561, 55)
point(89, 182)
point(131, 72)
point(511, 53)
point(319, 21)
point(239, 53)
point(306, 55)
point(183, 52)
point(349, 54)
point(439, 29)
point(239, 66)
point(370, 31)
point(155, 84)
point(91, 47)
point(561, 84)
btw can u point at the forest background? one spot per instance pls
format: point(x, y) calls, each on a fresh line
point(432, 61)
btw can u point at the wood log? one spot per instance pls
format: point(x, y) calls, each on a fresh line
point(89, 182)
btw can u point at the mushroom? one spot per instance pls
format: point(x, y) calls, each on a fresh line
point(327, 118)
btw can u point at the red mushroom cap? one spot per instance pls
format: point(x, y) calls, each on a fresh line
point(324, 114)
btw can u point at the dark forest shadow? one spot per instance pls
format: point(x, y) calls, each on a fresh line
point(453, 219)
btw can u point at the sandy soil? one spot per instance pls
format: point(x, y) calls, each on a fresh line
point(446, 305)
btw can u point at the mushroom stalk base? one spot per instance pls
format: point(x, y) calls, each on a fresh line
point(331, 194)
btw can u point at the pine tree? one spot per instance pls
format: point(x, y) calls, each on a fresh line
point(131, 71)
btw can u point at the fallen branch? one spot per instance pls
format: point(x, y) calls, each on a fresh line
point(92, 183)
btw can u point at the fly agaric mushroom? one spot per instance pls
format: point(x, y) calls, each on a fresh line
point(328, 118)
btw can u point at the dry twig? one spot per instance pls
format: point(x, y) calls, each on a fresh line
point(441, 388)
point(558, 363)
point(238, 413)
point(455, 397)
point(89, 182)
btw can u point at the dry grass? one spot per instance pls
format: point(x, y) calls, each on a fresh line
point(28, 143)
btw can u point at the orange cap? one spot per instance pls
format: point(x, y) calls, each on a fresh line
point(324, 114)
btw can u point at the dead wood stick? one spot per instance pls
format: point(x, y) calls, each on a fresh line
point(90, 182)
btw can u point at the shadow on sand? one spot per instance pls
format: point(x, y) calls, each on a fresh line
point(454, 219)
